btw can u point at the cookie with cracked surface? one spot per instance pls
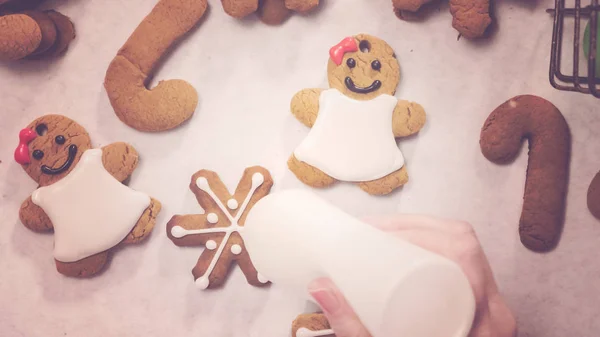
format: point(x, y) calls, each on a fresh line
point(469, 17)
point(81, 196)
point(171, 102)
point(544, 200)
point(32, 34)
point(20, 35)
point(355, 122)
point(271, 12)
point(311, 325)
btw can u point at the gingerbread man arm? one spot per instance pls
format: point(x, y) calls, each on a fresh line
point(305, 106)
point(120, 159)
point(34, 217)
point(408, 118)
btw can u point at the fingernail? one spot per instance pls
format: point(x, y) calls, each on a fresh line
point(326, 299)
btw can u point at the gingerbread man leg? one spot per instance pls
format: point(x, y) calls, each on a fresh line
point(308, 174)
point(387, 184)
point(84, 267)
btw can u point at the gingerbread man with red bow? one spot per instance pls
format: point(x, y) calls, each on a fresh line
point(81, 196)
point(355, 123)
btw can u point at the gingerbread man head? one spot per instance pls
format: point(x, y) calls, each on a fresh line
point(50, 147)
point(363, 67)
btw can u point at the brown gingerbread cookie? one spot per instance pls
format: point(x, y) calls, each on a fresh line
point(218, 229)
point(541, 123)
point(272, 12)
point(81, 196)
point(593, 196)
point(311, 325)
point(469, 17)
point(171, 102)
point(355, 123)
point(25, 32)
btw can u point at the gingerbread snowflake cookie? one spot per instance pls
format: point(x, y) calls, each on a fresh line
point(219, 228)
point(81, 196)
point(356, 122)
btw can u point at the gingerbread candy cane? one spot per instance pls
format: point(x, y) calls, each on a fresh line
point(171, 102)
point(541, 123)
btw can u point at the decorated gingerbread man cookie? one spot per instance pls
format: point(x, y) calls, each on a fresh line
point(355, 123)
point(219, 228)
point(80, 194)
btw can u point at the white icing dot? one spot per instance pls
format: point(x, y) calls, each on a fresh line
point(202, 282)
point(202, 184)
point(257, 178)
point(232, 204)
point(212, 218)
point(211, 245)
point(261, 278)
point(178, 232)
point(236, 249)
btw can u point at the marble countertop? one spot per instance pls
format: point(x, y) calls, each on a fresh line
point(246, 73)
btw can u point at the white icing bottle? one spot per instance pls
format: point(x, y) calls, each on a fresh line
point(396, 288)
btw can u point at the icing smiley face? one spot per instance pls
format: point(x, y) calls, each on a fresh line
point(363, 67)
point(50, 147)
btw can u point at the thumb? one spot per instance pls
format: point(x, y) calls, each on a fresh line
point(340, 315)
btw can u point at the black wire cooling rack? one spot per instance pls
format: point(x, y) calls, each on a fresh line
point(567, 19)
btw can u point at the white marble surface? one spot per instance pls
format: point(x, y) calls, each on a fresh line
point(246, 73)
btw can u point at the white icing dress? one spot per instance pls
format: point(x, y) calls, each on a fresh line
point(352, 140)
point(91, 210)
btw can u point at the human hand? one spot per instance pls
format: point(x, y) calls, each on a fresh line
point(454, 240)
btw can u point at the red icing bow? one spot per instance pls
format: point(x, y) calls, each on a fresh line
point(346, 45)
point(22, 151)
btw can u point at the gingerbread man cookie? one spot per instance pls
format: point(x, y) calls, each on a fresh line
point(355, 123)
point(469, 17)
point(29, 33)
point(218, 229)
point(80, 195)
point(271, 12)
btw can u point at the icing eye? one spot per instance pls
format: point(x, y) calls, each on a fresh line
point(37, 154)
point(351, 63)
point(376, 65)
point(364, 46)
point(41, 129)
point(60, 139)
